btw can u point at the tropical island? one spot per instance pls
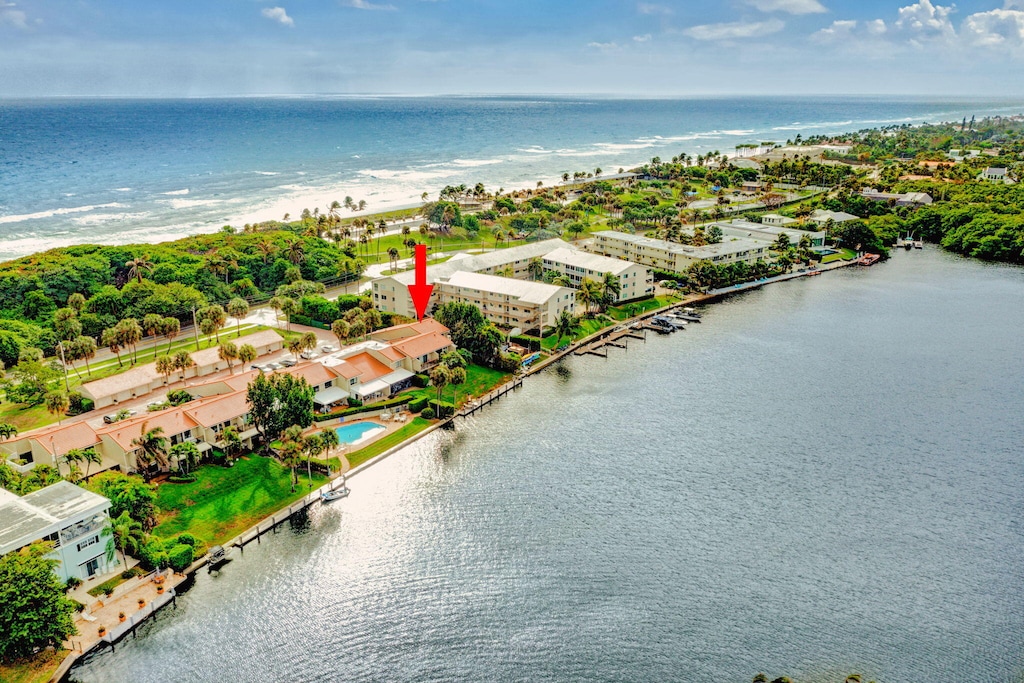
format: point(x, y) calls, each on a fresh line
point(150, 388)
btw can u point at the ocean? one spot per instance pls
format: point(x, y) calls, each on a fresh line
point(822, 478)
point(117, 171)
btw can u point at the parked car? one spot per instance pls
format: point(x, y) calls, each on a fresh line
point(328, 348)
point(309, 355)
point(272, 366)
point(288, 362)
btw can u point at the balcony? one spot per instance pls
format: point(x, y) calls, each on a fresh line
point(88, 526)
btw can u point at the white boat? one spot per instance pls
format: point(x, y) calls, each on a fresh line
point(335, 494)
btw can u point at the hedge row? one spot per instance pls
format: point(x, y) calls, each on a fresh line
point(402, 400)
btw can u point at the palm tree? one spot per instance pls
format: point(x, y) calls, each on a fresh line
point(266, 249)
point(165, 366)
point(128, 536)
point(611, 287)
point(137, 267)
point(56, 404)
point(131, 335)
point(588, 293)
point(182, 362)
point(111, 338)
point(232, 442)
point(170, 328)
point(341, 330)
point(329, 438)
point(150, 446)
point(238, 308)
point(247, 353)
point(566, 325)
point(276, 303)
point(393, 258)
point(440, 377)
point(217, 316)
point(228, 352)
point(536, 268)
point(90, 457)
point(296, 347)
point(456, 376)
point(296, 251)
point(72, 458)
point(289, 307)
point(185, 456)
point(292, 447)
point(308, 341)
point(7, 431)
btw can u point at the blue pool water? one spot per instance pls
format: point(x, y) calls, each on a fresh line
point(356, 431)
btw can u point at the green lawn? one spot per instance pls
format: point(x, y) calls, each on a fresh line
point(390, 441)
point(25, 417)
point(843, 255)
point(225, 501)
point(38, 669)
point(479, 380)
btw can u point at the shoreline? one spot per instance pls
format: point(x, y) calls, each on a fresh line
point(283, 514)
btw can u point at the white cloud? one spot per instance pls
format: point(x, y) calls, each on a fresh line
point(790, 6)
point(875, 27)
point(364, 4)
point(651, 8)
point(925, 19)
point(11, 16)
point(838, 29)
point(642, 39)
point(604, 47)
point(1013, 4)
point(279, 15)
point(996, 28)
point(735, 29)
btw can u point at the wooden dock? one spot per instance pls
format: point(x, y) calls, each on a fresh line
point(617, 338)
point(489, 398)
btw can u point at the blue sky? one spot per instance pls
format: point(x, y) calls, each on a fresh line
point(657, 48)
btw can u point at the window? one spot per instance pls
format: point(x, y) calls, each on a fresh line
point(88, 542)
point(328, 383)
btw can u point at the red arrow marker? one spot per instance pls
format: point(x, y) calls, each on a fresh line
point(421, 291)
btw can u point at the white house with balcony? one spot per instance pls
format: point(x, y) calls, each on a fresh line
point(68, 517)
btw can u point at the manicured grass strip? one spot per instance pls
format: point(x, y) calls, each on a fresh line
point(225, 501)
point(390, 441)
point(479, 380)
point(37, 669)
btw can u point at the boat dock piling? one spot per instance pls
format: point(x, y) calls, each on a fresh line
point(487, 399)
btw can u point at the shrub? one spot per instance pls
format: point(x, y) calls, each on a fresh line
point(354, 402)
point(73, 583)
point(442, 410)
point(418, 404)
point(187, 539)
point(427, 414)
point(78, 404)
point(130, 573)
point(178, 396)
point(509, 362)
point(420, 380)
point(179, 557)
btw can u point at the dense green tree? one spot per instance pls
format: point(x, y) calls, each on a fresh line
point(127, 493)
point(278, 401)
point(35, 612)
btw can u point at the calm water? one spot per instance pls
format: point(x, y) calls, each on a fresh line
point(117, 171)
point(824, 477)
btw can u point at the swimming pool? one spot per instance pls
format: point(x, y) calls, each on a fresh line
point(357, 432)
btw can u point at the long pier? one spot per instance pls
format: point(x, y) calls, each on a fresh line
point(490, 397)
point(617, 338)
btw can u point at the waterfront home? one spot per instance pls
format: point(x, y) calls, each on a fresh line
point(635, 281)
point(144, 379)
point(822, 216)
point(676, 257)
point(67, 516)
point(49, 446)
point(739, 227)
point(507, 302)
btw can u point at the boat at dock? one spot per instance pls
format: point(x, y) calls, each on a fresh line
point(335, 494)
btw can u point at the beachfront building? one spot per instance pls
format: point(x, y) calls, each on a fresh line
point(144, 379)
point(913, 199)
point(635, 281)
point(739, 227)
point(507, 302)
point(67, 516)
point(823, 216)
point(391, 292)
point(675, 257)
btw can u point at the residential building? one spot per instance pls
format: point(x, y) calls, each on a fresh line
point(391, 293)
point(994, 174)
point(507, 302)
point(822, 216)
point(777, 220)
point(635, 281)
point(671, 256)
point(144, 379)
point(914, 199)
point(767, 233)
point(68, 517)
